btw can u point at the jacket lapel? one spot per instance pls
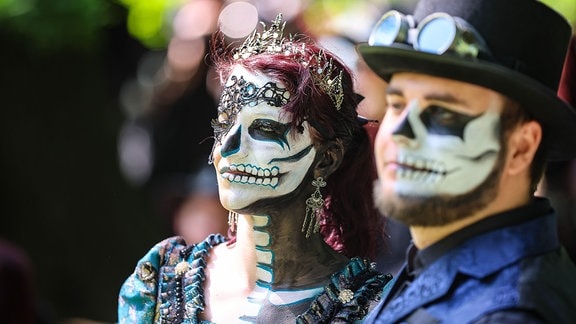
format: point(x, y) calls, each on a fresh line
point(430, 285)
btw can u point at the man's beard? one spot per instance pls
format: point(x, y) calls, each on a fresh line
point(441, 209)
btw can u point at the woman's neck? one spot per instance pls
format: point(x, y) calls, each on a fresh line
point(283, 256)
point(270, 263)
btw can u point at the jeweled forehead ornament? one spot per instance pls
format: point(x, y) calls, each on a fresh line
point(272, 41)
point(239, 93)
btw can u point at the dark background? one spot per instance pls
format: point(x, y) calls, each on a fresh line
point(64, 199)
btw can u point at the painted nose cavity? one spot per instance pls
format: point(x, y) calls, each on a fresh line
point(231, 143)
point(404, 129)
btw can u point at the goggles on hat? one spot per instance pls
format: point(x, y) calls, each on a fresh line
point(438, 33)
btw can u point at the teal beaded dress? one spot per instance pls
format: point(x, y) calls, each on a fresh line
point(167, 287)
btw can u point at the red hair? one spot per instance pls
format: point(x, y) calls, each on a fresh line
point(350, 224)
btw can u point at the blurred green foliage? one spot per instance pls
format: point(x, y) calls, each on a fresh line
point(56, 24)
point(150, 20)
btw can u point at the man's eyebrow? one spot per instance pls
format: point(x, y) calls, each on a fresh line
point(442, 97)
point(445, 97)
point(394, 91)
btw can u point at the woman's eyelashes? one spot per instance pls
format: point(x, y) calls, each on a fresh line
point(269, 130)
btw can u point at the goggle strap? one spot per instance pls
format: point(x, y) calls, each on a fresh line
point(410, 20)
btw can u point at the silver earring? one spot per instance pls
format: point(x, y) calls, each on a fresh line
point(314, 205)
point(232, 220)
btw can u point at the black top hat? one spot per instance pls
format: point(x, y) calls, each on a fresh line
point(527, 42)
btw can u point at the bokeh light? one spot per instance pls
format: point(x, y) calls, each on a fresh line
point(238, 19)
point(135, 153)
point(183, 58)
point(268, 9)
point(196, 19)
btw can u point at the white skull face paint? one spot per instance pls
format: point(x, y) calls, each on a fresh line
point(451, 153)
point(255, 154)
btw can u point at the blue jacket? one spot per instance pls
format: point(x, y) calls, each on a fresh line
point(520, 267)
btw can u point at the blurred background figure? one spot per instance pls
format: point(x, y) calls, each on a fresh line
point(165, 139)
point(18, 304)
point(371, 87)
point(197, 211)
point(373, 108)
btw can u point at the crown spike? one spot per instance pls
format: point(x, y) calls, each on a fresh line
point(272, 41)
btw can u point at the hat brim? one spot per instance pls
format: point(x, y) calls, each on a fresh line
point(558, 118)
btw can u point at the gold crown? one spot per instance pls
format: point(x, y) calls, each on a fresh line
point(272, 41)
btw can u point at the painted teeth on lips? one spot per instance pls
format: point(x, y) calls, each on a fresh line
point(414, 163)
point(250, 174)
point(420, 176)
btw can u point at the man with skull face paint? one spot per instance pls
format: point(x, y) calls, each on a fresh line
point(294, 168)
point(472, 117)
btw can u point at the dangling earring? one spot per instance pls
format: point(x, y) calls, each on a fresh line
point(314, 205)
point(232, 220)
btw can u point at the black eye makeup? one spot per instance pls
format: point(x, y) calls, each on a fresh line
point(443, 121)
point(269, 130)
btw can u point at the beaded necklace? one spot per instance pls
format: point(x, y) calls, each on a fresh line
point(190, 280)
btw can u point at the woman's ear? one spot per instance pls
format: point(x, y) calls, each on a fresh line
point(331, 154)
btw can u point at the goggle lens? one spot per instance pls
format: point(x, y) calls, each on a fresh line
point(436, 36)
point(387, 30)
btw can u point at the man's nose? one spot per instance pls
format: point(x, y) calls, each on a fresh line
point(404, 128)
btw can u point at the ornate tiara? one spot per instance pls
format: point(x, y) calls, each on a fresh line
point(272, 41)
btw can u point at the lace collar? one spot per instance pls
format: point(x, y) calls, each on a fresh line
point(347, 297)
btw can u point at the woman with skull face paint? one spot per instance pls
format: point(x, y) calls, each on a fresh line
point(294, 168)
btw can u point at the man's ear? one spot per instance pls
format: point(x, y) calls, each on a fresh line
point(523, 144)
point(330, 157)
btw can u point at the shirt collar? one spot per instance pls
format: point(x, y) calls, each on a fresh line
point(417, 260)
